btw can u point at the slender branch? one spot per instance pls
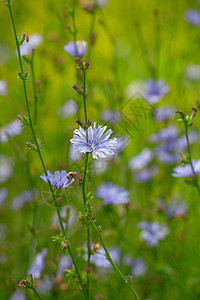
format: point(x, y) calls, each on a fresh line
point(110, 259)
point(84, 94)
point(36, 293)
point(190, 158)
point(39, 151)
point(74, 32)
point(34, 87)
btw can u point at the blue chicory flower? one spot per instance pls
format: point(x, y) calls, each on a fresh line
point(59, 180)
point(176, 209)
point(186, 171)
point(164, 113)
point(152, 232)
point(12, 129)
point(22, 198)
point(77, 49)
point(110, 116)
point(95, 141)
point(141, 160)
point(112, 194)
point(38, 264)
point(154, 90)
point(192, 16)
point(3, 195)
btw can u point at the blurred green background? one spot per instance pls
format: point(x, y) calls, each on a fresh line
point(128, 33)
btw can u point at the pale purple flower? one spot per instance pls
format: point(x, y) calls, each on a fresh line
point(59, 180)
point(95, 141)
point(146, 174)
point(45, 285)
point(112, 194)
point(35, 40)
point(192, 16)
point(6, 169)
point(24, 197)
point(101, 3)
point(176, 209)
point(68, 214)
point(18, 295)
point(69, 109)
point(3, 195)
point(141, 160)
point(192, 72)
point(38, 264)
point(152, 232)
point(12, 129)
point(169, 134)
point(3, 88)
point(99, 260)
point(64, 263)
point(138, 265)
point(181, 143)
point(167, 157)
point(77, 49)
point(110, 116)
point(186, 170)
point(164, 113)
point(154, 90)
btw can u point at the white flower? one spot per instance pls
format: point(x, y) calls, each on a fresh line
point(35, 40)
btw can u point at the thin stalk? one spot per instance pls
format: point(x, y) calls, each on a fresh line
point(111, 261)
point(84, 94)
point(34, 87)
point(190, 158)
point(36, 293)
point(39, 151)
point(74, 32)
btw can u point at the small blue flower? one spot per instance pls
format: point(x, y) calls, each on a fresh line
point(164, 113)
point(176, 209)
point(146, 174)
point(141, 160)
point(59, 181)
point(154, 90)
point(22, 198)
point(77, 49)
point(110, 116)
point(152, 232)
point(112, 194)
point(94, 141)
point(192, 16)
point(98, 258)
point(38, 264)
point(12, 129)
point(186, 171)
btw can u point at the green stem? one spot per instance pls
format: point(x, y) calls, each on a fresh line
point(190, 158)
point(84, 94)
point(110, 259)
point(39, 151)
point(36, 293)
point(74, 26)
point(34, 87)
